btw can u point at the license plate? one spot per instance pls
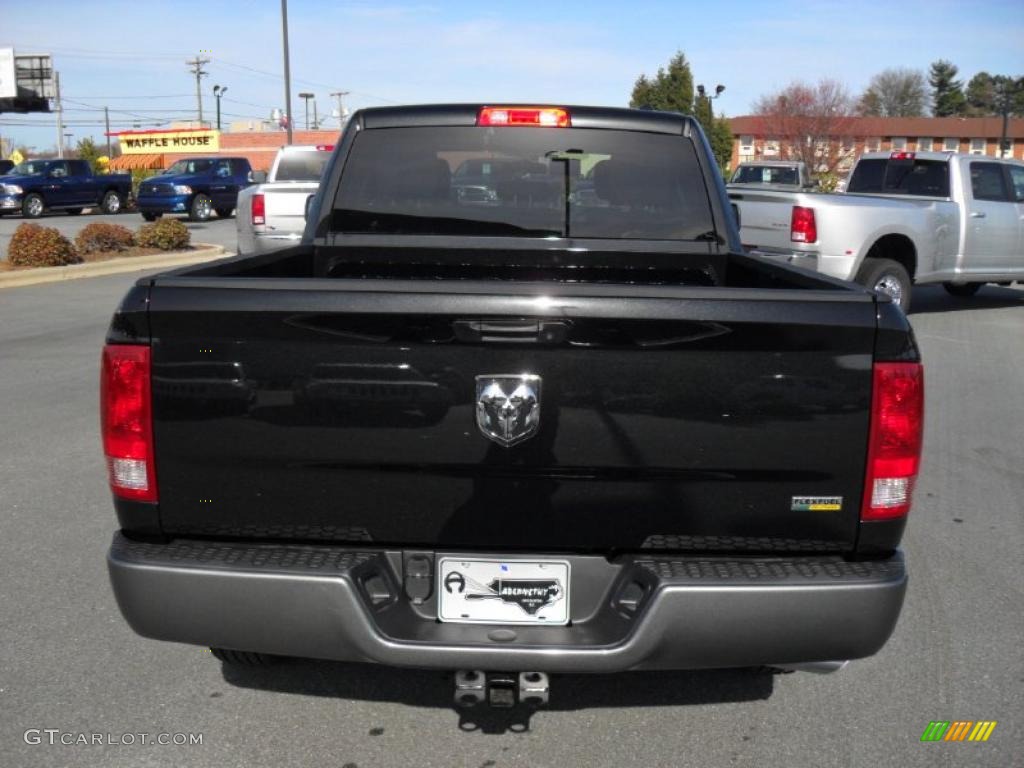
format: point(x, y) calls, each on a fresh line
point(475, 591)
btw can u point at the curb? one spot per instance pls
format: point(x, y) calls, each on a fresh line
point(203, 253)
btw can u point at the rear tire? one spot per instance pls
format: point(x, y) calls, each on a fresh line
point(887, 277)
point(201, 208)
point(963, 290)
point(151, 216)
point(244, 658)
point(111, 203)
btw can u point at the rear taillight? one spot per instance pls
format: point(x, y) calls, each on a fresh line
point(802, 227)
point(540, 117)
point(126, 419)
point(259, 209)
point(894, 442)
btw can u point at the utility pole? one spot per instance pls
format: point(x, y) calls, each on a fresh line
point(316, 119)
point(196, 65)
point(106, 119)
point(60, 116)
point(1004, 94)
point(339, 95)
point(287, 71)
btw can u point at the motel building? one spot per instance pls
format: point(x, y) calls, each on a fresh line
point(156, 150)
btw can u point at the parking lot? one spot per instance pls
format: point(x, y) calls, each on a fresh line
point(216, 231)
point(70, 663)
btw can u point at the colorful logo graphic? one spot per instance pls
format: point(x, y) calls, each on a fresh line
point(958, 730)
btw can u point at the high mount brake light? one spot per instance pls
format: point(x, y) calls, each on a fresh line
point(894, 441)
point(325, 147)
point(539, 117)
point(259, 209)
point(901, 156)
point(802, 226)
point(126, 420)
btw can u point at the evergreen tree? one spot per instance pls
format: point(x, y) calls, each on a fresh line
point(947, 92)
point(671, 90)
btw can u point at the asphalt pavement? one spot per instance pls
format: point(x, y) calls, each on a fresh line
point(69, 663)
point(216, 231)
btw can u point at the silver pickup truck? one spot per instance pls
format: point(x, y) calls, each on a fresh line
point(272, 214)
point(925, 217)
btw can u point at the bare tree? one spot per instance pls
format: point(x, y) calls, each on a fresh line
point(809, 122)
point(896, 92)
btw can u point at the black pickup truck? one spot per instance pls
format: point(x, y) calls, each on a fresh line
point(519, 404)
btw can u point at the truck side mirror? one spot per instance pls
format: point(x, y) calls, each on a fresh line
point(257, 177)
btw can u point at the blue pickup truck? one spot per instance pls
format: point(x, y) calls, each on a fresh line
point(198, 186)
point(36, 186)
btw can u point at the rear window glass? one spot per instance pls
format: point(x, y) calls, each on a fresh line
point(766, 174)
point(528, 182)
point(302, 166)
point(927, 178)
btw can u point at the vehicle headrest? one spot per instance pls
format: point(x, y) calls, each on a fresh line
point(626, 183)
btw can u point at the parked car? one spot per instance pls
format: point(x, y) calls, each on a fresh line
point(549, 433)
point(905, 218)
point(36, 186)
point(272, 213)
point(5, 166)
point(197, 186)
point(772, 174)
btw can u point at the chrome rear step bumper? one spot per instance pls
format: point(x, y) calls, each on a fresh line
point(637, 612)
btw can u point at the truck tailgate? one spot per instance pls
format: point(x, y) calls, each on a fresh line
point(286, 205)
point(676, 418)
point(767, 223)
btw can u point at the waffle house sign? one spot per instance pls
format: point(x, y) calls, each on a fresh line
point(181, 141)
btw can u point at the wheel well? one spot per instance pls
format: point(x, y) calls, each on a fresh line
point(898, 248)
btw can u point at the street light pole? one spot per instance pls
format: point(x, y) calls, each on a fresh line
point(702, 94)
point(287, 71)
point(217, 93)
point(306, 97)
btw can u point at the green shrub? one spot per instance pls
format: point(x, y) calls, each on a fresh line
point(101, 236)
point(165, 234)
point(139, 175)
point(36, 246)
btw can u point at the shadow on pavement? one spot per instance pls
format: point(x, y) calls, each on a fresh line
point(934, 299)
point(431, 688)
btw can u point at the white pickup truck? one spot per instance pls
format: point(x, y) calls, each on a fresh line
point(272, 214)
point(906, 217)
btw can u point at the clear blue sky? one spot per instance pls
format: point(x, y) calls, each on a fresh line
point(130, 55)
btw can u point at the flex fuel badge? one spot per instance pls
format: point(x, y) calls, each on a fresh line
point(816, 504)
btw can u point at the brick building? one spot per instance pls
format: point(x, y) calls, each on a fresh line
point(752, 139)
